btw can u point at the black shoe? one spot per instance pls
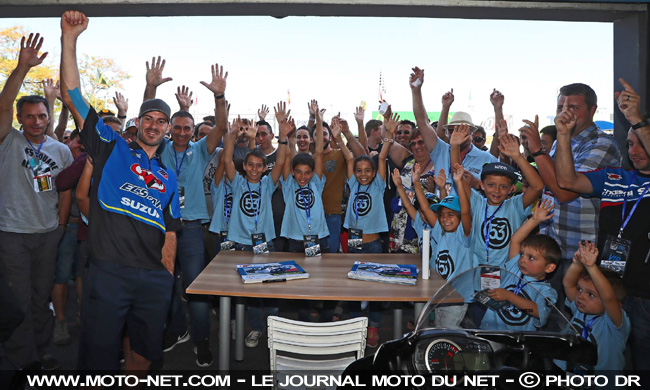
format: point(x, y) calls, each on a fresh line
point(172, 340)
point(203, 353)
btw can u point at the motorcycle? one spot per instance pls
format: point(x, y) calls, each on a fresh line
point(456, 339)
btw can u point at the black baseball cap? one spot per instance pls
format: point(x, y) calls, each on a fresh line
point(155, 105)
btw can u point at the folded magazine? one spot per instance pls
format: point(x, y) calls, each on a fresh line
point(271, 272)
point(385, 273)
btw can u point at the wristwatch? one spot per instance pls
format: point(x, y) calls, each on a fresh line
point(541, 151)
point(641, 124)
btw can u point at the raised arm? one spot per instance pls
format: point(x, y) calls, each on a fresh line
point(509, 147)
point(51, 91)
point(359, 114)
point(122, 105)
point(428, 133)
point(229, 148)
point(447, 100)
point(73, 23)
point(391, 125)
point(59, 130)
point(429, 214)
point(312, 114)
point(283, 145)
point(589, 257)
point(221, 167)
point(406, 202)
point(154, 77)
point(27, 59)
point(567, 177)
point(543, 212)
point(458, 137)
point(83, 188)
point(463, 199)
point(354, 144)
point(497, 99)
point(629, 102)
point(281, 115)
point(218, 87)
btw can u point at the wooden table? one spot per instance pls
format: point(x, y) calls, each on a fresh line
point(327, 281)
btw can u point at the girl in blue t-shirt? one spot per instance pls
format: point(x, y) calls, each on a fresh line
point(365, 217)
point(221, 195)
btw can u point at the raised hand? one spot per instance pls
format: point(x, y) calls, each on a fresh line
point(441, 179)
point(359, 113)
point(51, 90)
point(310, 106)
point(588, 253)
point(218, 83)
point(629, 102)
point(509, 146)
point(544, 210)
point(250, 129)
point(121, 103)
point(154, 73)
point(460, 135)
point(391, 122)
point(264, 111)
point(496, 98)
point(29, 50)
point(417, 78)
point(457, 171)
point(73, 23)
point(416, 173)
point(530, 134)
point(280, 111)
point(184, 98)
point(318, 114)
point(502, 127)
point(448, 98)
point(565, 122)
point(336, 127)
point(397, 178)
point(286, 126)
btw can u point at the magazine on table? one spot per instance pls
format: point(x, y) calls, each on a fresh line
point(385, 273)
point(271, 272)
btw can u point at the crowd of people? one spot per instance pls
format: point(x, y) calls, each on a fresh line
point(134, 210)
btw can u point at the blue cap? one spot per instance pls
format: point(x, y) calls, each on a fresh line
point(451, 202)
point(499, 168)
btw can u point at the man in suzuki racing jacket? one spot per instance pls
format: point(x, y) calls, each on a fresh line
point(134, 215)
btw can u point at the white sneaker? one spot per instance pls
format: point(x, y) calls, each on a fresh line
point(253, 338)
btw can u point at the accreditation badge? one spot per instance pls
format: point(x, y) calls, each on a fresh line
point(260, 247)
point(225, 244)
point(43, 182)
point(615, 254)
point(490, 277)
point(181, 196)
point(312, 245)
point(355, 238)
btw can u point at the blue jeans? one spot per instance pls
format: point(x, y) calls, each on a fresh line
point(190, 261)
point(334, 226)
point(374, 311)
point(638, 309)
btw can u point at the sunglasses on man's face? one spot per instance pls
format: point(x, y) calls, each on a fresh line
point(479, 139)
point(405, 132)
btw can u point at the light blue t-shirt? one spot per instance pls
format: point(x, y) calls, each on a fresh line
point(189, 166)
point(368, 203)
point(510, 317)
point(504, 223)
point(295, 222)
point(609, 340)
point(453, 254)
point(473, 161)
point(246, 203)
point(222, 205)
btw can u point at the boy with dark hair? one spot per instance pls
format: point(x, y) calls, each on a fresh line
point(595, 297)
point(525, 287)
point(496, 216)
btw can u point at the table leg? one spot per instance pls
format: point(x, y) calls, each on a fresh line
point(240, 310)
point(417, 309)
point(224, 333)
point(397, 322)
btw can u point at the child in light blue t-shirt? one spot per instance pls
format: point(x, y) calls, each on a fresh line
point(594, 295)
point(525, 295)
point(304, 221)
point(452, 223)
point(495, 217)
point(221, 195)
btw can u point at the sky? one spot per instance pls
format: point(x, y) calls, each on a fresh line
point(338, 60)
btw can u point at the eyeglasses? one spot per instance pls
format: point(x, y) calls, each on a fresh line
point(479, 139)
point(416, 143)
point(405, 132)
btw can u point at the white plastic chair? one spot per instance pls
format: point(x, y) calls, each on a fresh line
point(326, 347)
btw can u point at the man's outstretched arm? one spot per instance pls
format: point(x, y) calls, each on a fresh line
point(73, 23)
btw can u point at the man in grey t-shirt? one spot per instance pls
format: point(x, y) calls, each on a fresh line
point(32, 222)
